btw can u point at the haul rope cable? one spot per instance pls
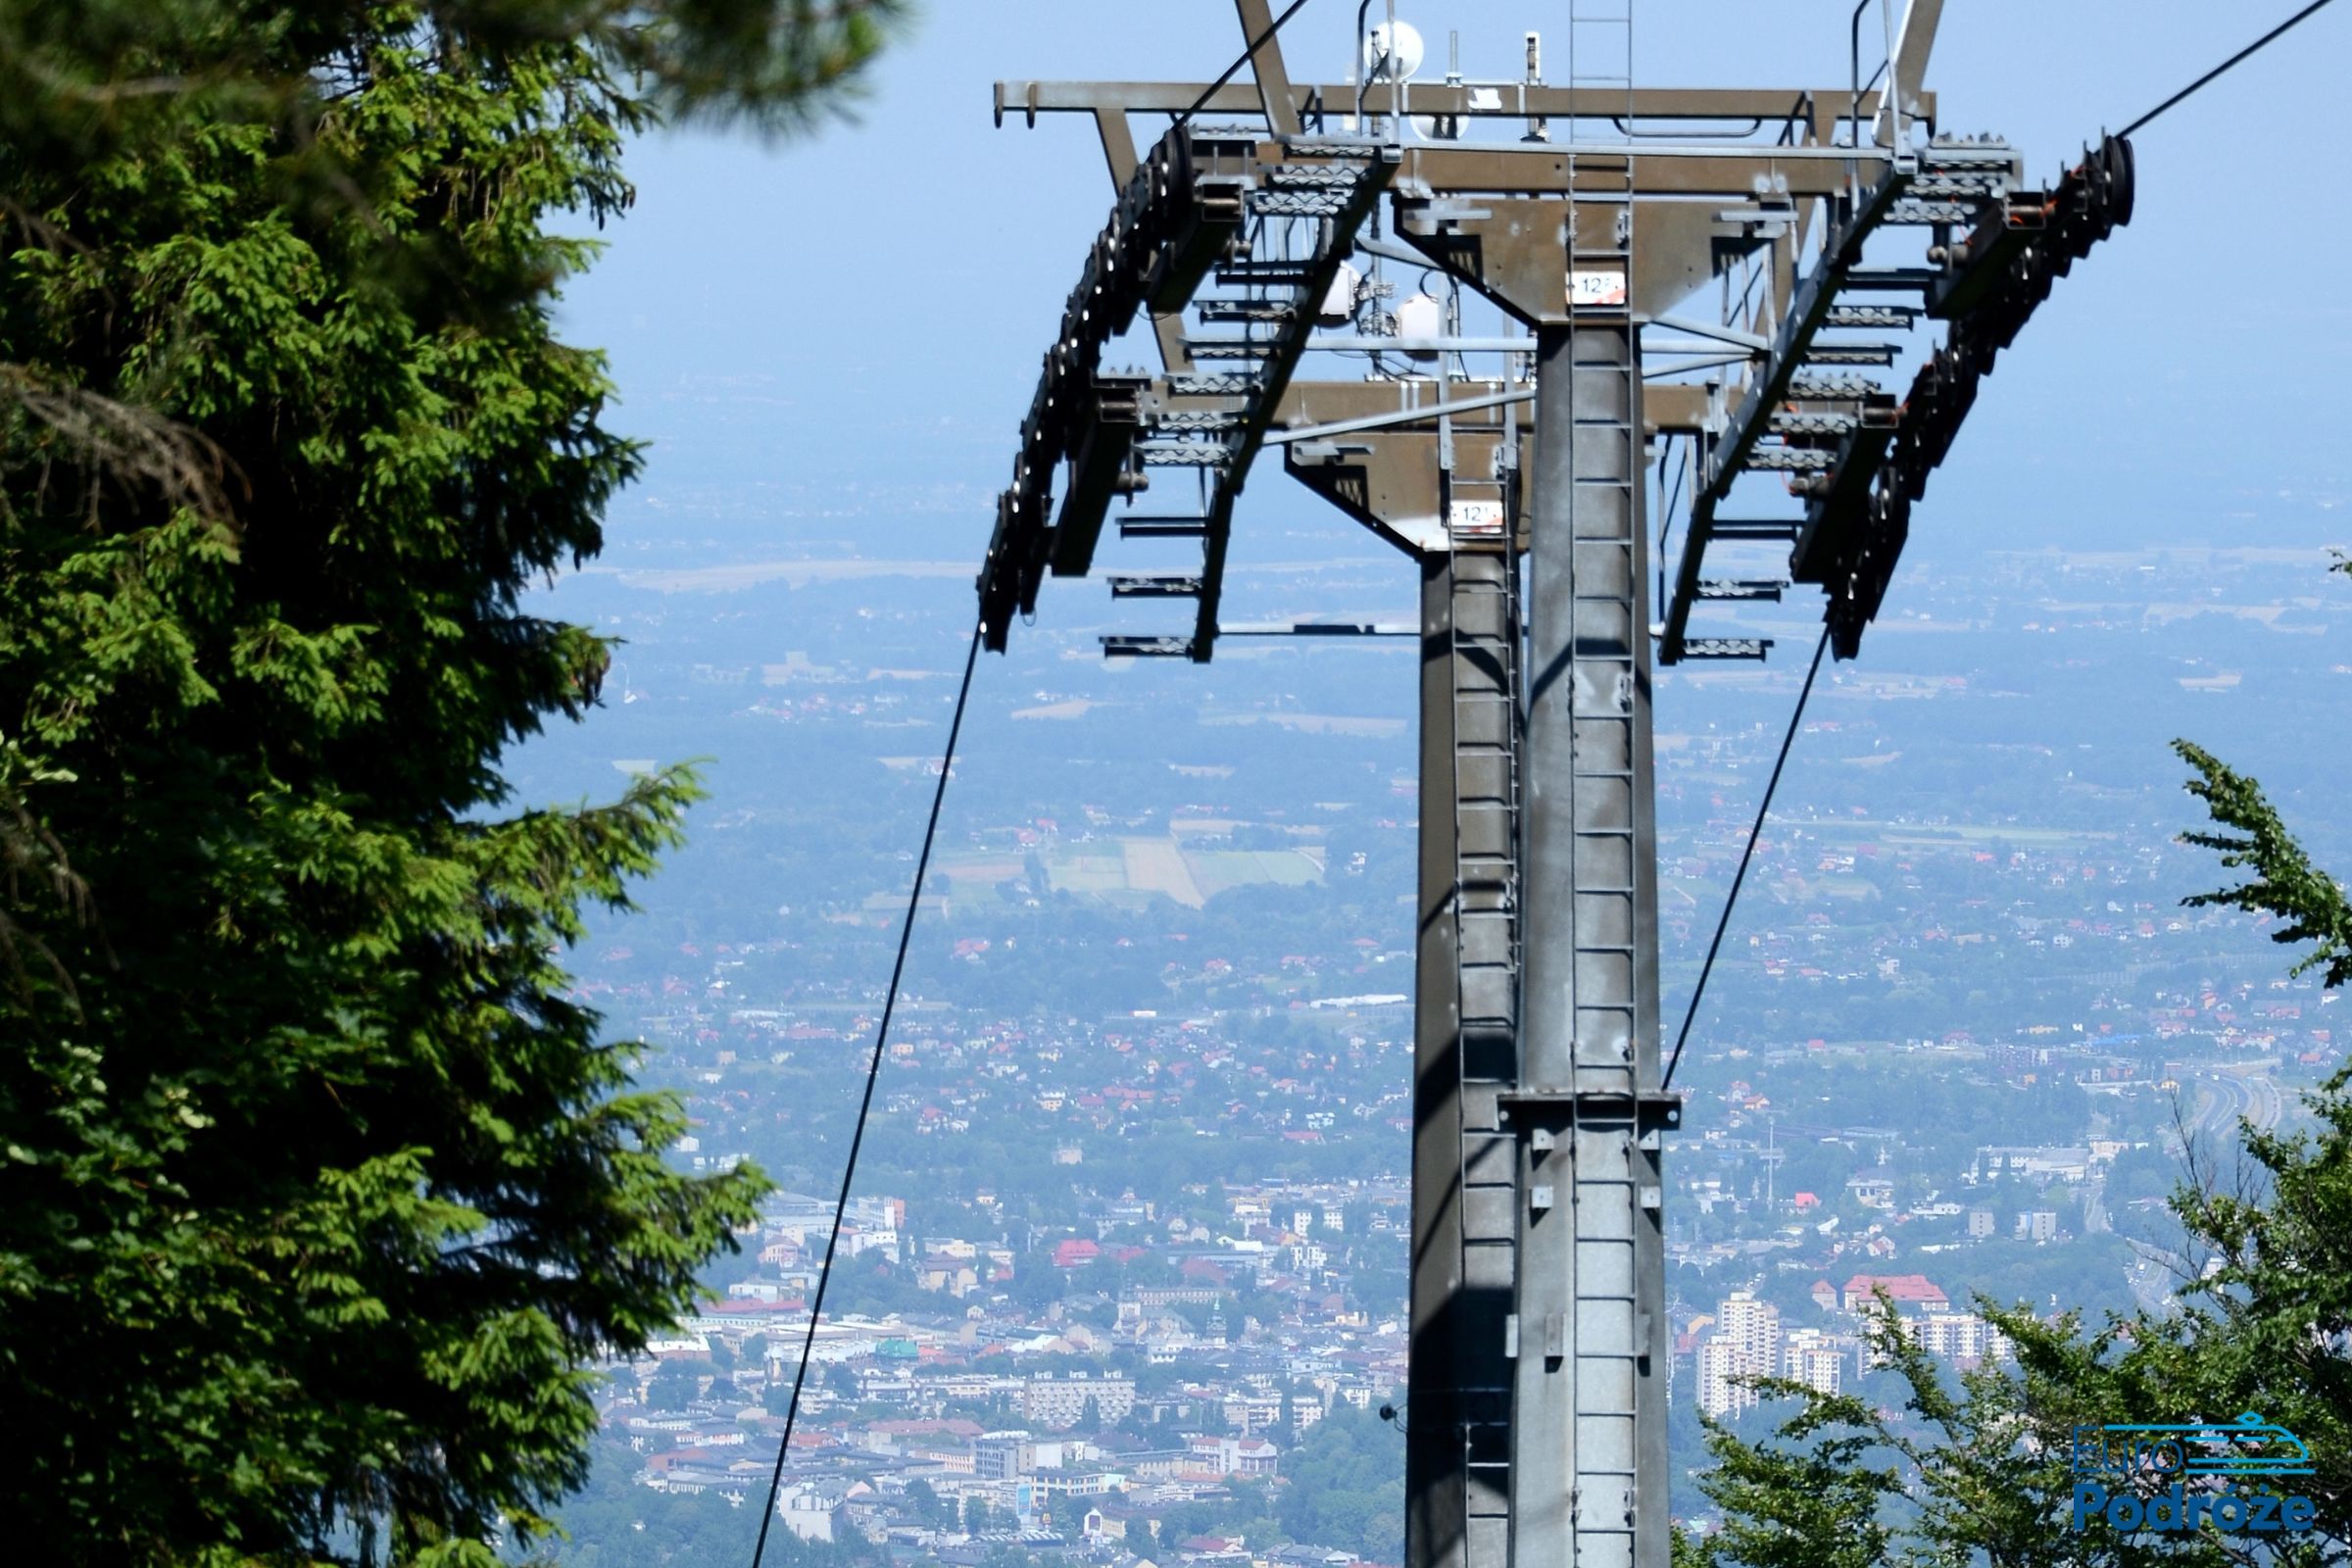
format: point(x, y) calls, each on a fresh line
point(865, 1106)
point(1707, 968)
point(1255, 45)
point(963, 694)
point(890, 998)
point(2249, 50)
point(1795, 719)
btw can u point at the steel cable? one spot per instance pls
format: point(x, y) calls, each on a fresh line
point(1795, 720)
point(1255, 45)
point(956, 728)
point(1732, 900)
point(2267, 38)
point(865, 1106)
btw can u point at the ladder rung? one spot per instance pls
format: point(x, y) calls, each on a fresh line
point(1833, 423)
point(1853, 354)
point(1263, 273)
point(1789, 460)
point(1988, 154)
point(1833, 388)
point(1157, 586)
point(1116, 646)
point(1741, 588)
point(1183, 455)
point(1247, 310)
point(1873, 316)
point(1923, 213)
point(1215, 383)
point(1755, 647)
point(1893, 279)
point(1207, 421)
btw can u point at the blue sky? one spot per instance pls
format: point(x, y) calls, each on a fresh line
point(865, 308)
point(830, 341)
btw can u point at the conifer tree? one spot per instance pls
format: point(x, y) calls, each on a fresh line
point(1982, 1472)
point(318, 1185)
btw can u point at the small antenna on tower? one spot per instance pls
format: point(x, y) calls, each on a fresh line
point(1539, 129)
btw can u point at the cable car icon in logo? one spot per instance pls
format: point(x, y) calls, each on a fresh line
point(2246, 1447)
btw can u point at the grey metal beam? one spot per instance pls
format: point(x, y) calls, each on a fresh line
point(1589, 1395)
point(1317, 628)
point(1907, 64)
point(1698, 328)
point(1458, 1493)
point(1350, 343)
point(1699, 172)
point(1030, 97)
point(1433, 1522)
point(1808, 306)
point(1274, 95)
point(1414, 415)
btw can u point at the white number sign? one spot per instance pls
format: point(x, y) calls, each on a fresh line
point(1596, 288)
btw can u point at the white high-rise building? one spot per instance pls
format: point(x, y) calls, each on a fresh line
point(1720, 1366)
point(1963, 1338)
point(1815, 1359)
point(1745, 1343)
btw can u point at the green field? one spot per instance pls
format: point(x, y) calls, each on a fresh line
point(1132, 870)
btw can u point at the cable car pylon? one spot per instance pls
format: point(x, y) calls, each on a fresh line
point(1537, 474)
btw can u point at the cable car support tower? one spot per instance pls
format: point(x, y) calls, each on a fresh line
point(1564, 485)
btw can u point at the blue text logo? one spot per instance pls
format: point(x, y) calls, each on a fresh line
point(2190, 1476)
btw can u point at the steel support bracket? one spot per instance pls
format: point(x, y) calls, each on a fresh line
point(1549, 1110)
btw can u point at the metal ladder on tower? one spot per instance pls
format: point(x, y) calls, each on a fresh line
point(1609, 1338)
point(1486, 630)
point(1600, 227)
point(1587, 1410)
point(1606, 1337)
point(1600, 60)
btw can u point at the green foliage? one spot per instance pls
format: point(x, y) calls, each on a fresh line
point(2269, 1327)
point(1812, 1502)
point(2285, 884)
point(1980, 1472)
point(1346, 1486)
point(1974, 1473)
point(2263, 1324)
point(317, 1185)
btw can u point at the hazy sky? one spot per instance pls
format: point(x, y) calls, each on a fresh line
point(831, 341)
point(867, 308)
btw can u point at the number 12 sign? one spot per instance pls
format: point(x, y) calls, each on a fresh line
point(1596, 288)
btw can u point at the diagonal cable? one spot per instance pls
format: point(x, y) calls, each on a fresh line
point(1730, 901)
point(1255, 45)
point(2250, 49)
point(865, 1106)
point(1721, 925)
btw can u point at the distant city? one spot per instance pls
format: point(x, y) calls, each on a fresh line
point(1127, 1258)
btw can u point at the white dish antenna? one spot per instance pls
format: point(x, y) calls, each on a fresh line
point(1422, 317)
point(1339, 303)
point(1392, 57)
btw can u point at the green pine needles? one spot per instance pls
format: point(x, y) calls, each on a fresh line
point(317, 1187)
point(1983, 1472)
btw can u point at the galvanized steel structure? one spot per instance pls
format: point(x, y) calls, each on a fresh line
point(1526, 492)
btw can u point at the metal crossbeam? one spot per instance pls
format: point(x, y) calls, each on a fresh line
point(1535, 1393)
